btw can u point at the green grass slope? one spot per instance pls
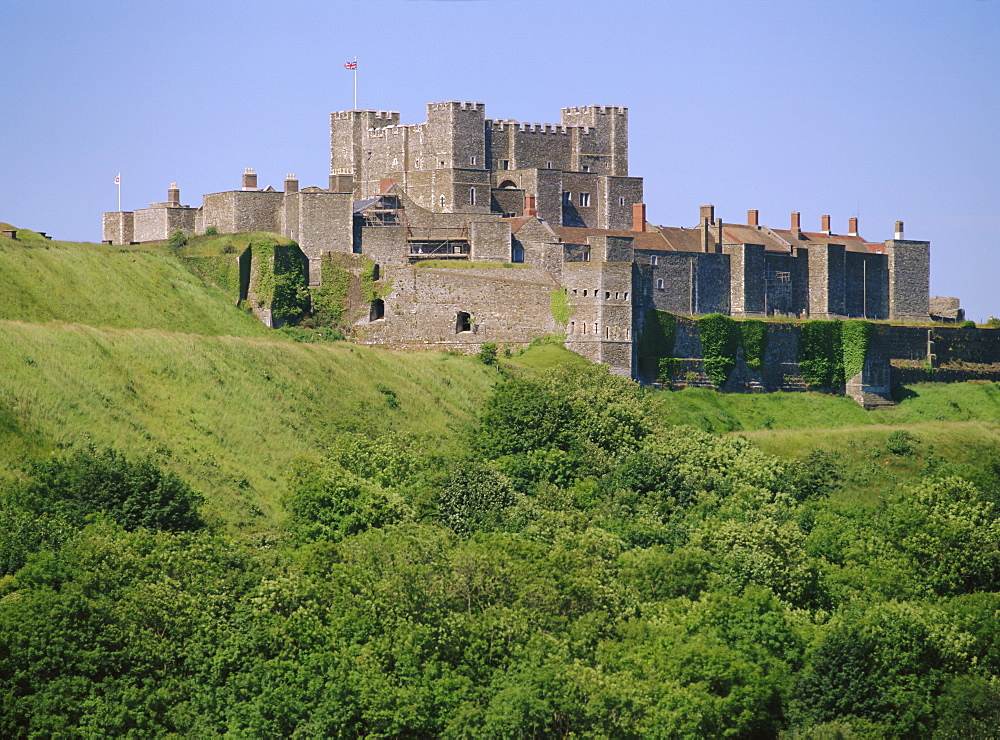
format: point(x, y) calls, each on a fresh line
point(105, 286)
point(226, 413)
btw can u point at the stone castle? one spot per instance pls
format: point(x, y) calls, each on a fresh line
point(537, 215)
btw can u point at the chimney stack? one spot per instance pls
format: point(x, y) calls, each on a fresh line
point(639, 217)
point(706, 213)
point(291, 184)
point(795, 223)
point(529, 206)
point(752, 217)
point(173, 194)
point(825, 220)
point(899, 230)
point(852, 226)
point(249, 179)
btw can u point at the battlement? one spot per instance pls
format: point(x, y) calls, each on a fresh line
point(619, 110)
point(457, 105)
point(379, 115)
point(535, 128)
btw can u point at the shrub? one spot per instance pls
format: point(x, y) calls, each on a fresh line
point(487, 353)
point(968, 324)
point(211, 231)
point(134, 493)
point(177, 240)
point(901, 442)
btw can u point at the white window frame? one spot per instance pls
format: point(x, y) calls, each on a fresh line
point(584, 200)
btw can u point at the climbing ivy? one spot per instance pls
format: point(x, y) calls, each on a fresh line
point(329, 300)
point(291, 296)
point(720, 340)
point(264, 253)
point(371, 291)
point(559, 304)
point(821, 355)
point(656, 345)
point(754, 335)
point(855, 337)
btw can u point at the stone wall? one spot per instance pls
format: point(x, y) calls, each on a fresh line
point(118, 227)
point(504, 305)
point(909, 279)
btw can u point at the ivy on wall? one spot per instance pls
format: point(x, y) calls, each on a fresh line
point(281, 280)
point(855, 338)
point(559, 305)
point(821, 354)
point(221, 270)
point(329, 300)
point(656, 345)
point(720, 340)
point(754, 335)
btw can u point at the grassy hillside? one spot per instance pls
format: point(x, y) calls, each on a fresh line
point(104, 286)
point(226, 413)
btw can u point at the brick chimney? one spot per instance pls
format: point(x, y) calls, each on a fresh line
point(752, 216)
point(852, 226)
point(529, 206)
point(291, 184)
point(639, 217)
point(795, 227)
point(825, 228)
point(249, 179)
point(174, 194)
point(706, 212)
point(899, 230)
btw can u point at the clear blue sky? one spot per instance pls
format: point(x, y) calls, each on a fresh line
point(881, 109)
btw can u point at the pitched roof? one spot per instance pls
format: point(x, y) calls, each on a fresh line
point(640, 239)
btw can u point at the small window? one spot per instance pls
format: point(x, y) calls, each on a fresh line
point(567, 198)
point(376, 272)
point(607, 332)
point(517, 254)
point(584, 292)
point(654, 260)
point(659, 284)
point(595, 329)
point(584, 328)
point(441, 162)
point(574, 291)
point(586, 258)
point(395, 161)
point(442, 201)
point(377, 312)
point(505, 164)
point(625, 296)
point(472, 160)
point(472, 196)
point(586, 168)
point(463, 322)
point(548, 165)
point(584, 200)
point(621, 201)
point(607, 294)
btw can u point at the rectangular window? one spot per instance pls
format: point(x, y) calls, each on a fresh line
point(659, 284)
point(586, 258)
point(584, 200)
point(653, 260)
point(472, 160)
point(586, 168)
point(505, 164)
point(567, 198)
point(621, 201)
point(472, 196)
point(548, 165)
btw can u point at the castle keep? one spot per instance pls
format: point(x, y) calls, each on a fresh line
point(553, 231)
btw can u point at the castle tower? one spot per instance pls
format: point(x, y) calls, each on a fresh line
point(909, 277)
point(605, 150)
point(351, 144)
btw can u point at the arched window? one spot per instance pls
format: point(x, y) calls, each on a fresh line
point(377, 311)
point(463, 322)
point(508, 185)
point(472, 196)
point(442, 201)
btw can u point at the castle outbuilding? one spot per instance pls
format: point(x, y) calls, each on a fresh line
point(539, 217)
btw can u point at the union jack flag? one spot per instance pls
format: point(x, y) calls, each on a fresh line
point(351, 65)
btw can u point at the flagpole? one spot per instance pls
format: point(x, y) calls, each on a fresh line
point(355, 83)
point(119, 182)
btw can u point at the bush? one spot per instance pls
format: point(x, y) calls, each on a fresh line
point(177, 240)
point(968, 324)
point(901, 442)
point(211, 231)
point(487, 353)
point(134, 493)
